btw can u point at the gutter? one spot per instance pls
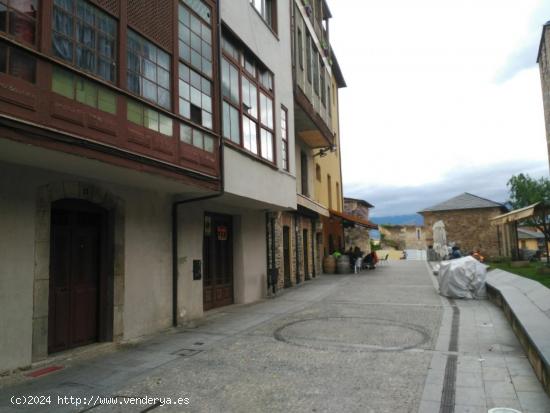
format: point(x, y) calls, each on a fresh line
point(175, 205)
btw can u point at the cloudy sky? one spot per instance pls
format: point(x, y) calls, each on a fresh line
point(443, 97)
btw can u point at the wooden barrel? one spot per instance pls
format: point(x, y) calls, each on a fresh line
point(343, 265)
point(329, 264)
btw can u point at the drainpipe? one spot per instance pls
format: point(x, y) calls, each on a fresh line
point(175, 205)
point(296, 242)
point(272, 271)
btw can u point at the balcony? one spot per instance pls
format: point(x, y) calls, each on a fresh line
point(310, 127)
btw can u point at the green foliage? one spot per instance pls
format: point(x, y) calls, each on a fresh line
point(375, 247)
point(528, 272)
point(525, 191)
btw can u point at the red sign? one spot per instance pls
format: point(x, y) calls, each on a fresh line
point(222, 233)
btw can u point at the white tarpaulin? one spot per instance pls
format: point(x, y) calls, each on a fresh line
point(462, 278)
point(440, 239)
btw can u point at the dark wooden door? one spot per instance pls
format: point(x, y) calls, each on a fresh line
point(286, 256)
point(218, 261)
point(306, 253)
point(75, 266)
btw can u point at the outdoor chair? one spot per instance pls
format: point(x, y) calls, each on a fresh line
point(385, 259)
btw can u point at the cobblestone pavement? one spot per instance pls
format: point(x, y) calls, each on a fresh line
point(380, 341)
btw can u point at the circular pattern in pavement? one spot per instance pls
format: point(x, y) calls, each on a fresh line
point(348, 334)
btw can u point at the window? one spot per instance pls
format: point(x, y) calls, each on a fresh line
point(417, 233)
point(329, 187)
point(316, 59)
point(197, 138)
point(338, 205)
point(18, 19)
point(83, 91)
point(195, 66)
point(284, 138)
point(305, 177)
point(268, 11)
point(300, 49)
point(308, 57)
point(143, 115)
point(318, 172)
point(148, 70)
point(323, 88)
point(195, 36)
point(17, 63)
point(85, 36)
point(248, 107)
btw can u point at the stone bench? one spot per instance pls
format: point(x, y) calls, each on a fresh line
point(526, 304)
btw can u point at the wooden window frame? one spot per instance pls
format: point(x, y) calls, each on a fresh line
point(284, 139)
point(255, 79)
point(75, 43)
point(267, 4)
point(36, 19)
point(9, 50)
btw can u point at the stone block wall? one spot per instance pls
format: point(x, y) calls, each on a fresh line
point(544, 67)
point(468, 228)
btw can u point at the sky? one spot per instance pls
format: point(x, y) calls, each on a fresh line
point(443, 97)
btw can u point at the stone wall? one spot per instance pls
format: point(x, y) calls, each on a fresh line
point(468, 228)
point(357, 237)
point(544, 66)
point(411, 237)
point(296, 250)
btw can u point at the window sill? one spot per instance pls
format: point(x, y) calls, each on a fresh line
point(242, 150)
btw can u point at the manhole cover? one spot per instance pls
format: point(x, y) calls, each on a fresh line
point(352, 334)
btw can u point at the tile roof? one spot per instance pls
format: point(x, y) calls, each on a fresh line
point(464, 201)
point(528, 234)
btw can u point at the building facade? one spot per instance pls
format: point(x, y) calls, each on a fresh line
point(357, 233)
point(543, 60)
point(403, 237)
point(139, 145)
point(467, 223)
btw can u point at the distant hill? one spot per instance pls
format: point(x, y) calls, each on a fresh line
point(412, 219)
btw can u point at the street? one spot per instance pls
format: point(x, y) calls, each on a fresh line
point(380, 341)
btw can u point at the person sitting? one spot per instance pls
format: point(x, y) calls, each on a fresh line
point(477, 255)
point(456, 253)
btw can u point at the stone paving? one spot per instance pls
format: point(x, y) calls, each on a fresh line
point(374, 342)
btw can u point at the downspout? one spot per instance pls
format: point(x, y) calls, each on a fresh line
point(296, 233)
point(175, 272)
point(274, 274)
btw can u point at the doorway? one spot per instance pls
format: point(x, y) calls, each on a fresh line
point(306, 254)
point(78, 259)
point(218, 261)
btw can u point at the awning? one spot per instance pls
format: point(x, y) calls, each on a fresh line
point(516, 215)
point(352, 219)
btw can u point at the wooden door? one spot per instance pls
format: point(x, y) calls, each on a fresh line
point(218, 261)
point(286, 256)
point(75, 266)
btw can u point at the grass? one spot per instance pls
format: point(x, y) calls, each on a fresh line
point(527, 272)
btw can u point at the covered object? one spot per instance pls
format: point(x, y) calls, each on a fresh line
point(462, 278)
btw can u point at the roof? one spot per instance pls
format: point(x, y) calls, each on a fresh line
point(353, 219)
point(359, 201)
point(464, 201)
point(547, 24)
point(341, 82)
point(527, 234)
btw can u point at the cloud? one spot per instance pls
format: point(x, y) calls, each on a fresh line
point(524, 55)
point(487, 182)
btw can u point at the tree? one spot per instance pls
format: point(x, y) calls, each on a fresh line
point(525, 191)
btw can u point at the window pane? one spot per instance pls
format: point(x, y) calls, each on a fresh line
point(235, 132)
point(165, 125)
point(62, 22)
point(149, 90)
point(249, 135)
point(226, 120)
point(62, 83)
point(106, 100)
point(3, 57)
point(85, 35)
point(186, 134)
point(85, 58)
point(208, 144)
point(267, 145)
point(62, 47)
point(86, 92)
point(198, 139)
point(135, 112)
point(151, 119)
point(22, 65)
point(207, 119)
point(185, 109)
point(22, 27)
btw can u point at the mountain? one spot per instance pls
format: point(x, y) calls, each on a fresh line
point(411, 219)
